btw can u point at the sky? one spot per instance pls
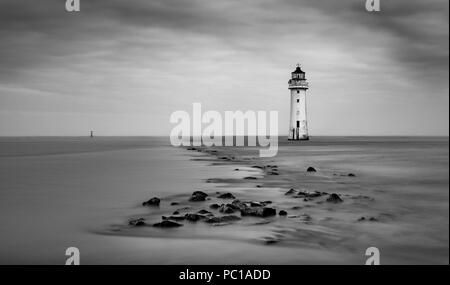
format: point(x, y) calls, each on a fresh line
point(123, 67)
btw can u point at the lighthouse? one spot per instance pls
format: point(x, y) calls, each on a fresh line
point(298, 125)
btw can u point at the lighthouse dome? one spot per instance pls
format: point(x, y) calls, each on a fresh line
point(298, 73)
point(298, 70)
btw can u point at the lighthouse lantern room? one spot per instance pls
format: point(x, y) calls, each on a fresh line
point(298, 126)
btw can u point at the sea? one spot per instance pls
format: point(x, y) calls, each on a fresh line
point(60, 192)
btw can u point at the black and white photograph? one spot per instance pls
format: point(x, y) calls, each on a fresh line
point(232, 132)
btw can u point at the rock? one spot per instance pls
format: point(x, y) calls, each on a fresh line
point(204, 212)
point(238, 204)
point(223, 219)
point(273, 173)
point(257, 166)
point(270, 241)
point(259, 212)
point(264, 203)
point(236, 169)
point(250, 178)
point(226, 196)
point(311, 169)
point(173, 217)
point(175, 213)
point(152, 202)
point(228, 208)
point(193, 217)
point(137, 222)
point(256, 204)
point(214, 206)
point(174, 203)
point(290, 192)
point(258, 186)
point(351, 175)
point(304, 194)
point(282, 213)
point(371, 219)
point(198, 196)
point(334, 198)
point(305, 217)
point(167, 224)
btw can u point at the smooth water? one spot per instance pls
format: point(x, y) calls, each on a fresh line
point(61, 192)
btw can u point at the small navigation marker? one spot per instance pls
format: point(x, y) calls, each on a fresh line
point(92, 134)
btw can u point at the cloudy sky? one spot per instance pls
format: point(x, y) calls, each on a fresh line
point(122, 67)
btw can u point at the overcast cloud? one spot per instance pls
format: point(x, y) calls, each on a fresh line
point(122, 67)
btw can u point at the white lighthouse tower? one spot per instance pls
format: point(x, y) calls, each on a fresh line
point(298, 126)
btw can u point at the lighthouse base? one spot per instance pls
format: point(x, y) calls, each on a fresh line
point(299, 139)
point(296, 135)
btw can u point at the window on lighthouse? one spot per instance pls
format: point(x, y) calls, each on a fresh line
point(298, 100)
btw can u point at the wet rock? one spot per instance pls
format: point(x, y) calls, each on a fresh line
point(193, 217)
point(226, 196)
point(371, 219)
point(198, 196)
point(264, 203)
point(305, 217)
point(311, 195)
point(250, 178)
point(238, 204)
point(311, 169)
point(351, 175)
point(334, 198)
point(173, 218)
point(228, 208)
point(223, 219)
point(175, 213)
point(236, 169)
point(167, 224)
point(282, 213)
point(257, 166)
point(273, 173)
point(259, 212)
point(137, 222)
point(258, 186)
point(269, 241)
point(174, 203)
point(256, 204)
point(152, 202)
point(214, 206)
point(292, 191)
point(191, 148)
point(204, 212)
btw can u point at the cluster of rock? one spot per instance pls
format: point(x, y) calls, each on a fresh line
point(268, 169)
point(228, 211)
point(332, 198)
point(152, 202)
